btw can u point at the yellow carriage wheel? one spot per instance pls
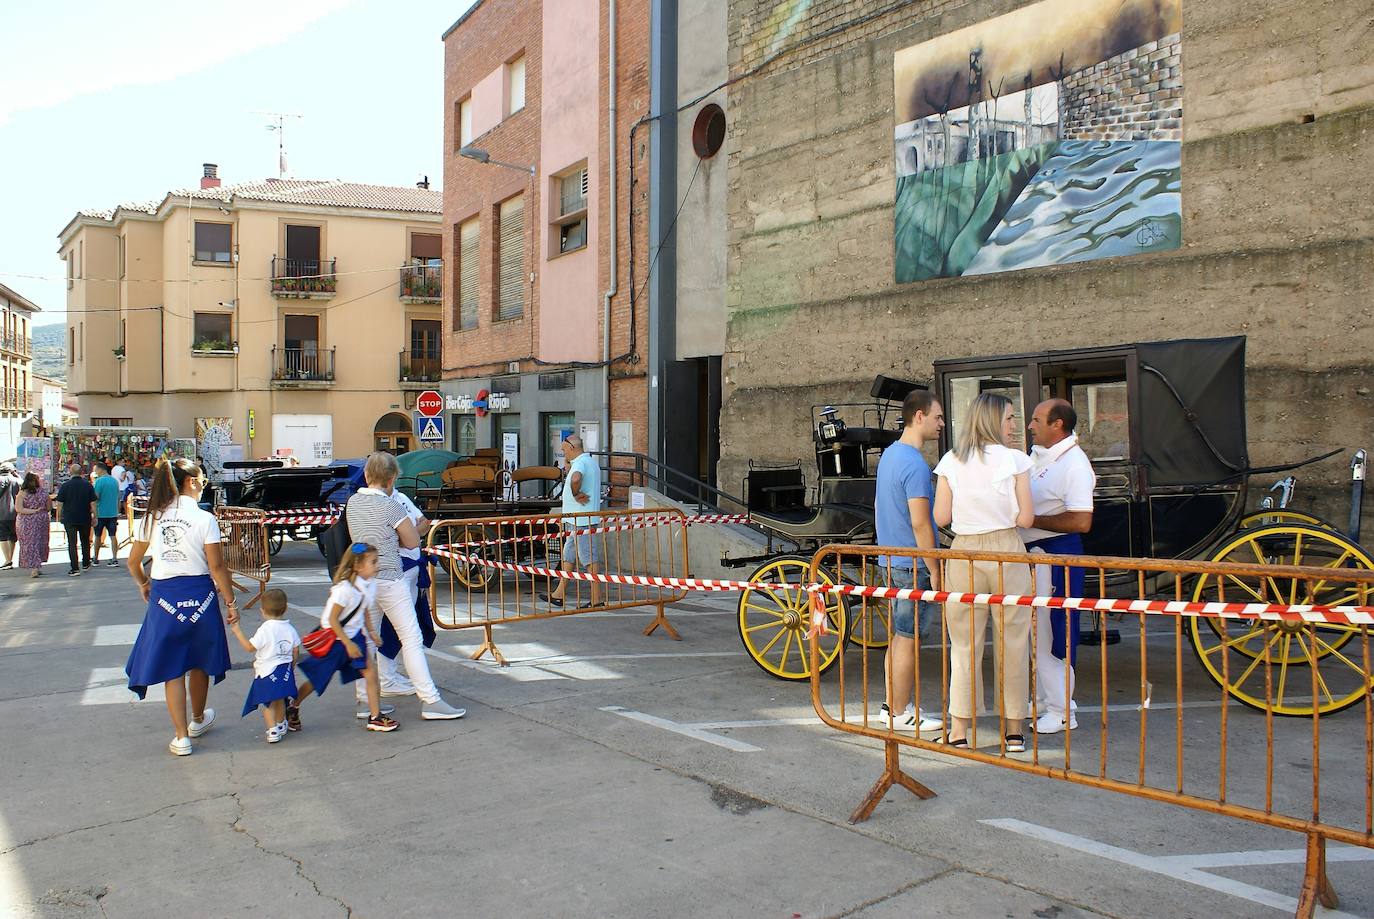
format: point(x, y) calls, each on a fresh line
point(773, 623)
point(469, 574)
point(1257, 660)
point(870, 620)
point(1264, 518)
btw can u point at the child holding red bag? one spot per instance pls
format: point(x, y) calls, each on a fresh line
point(347, 609)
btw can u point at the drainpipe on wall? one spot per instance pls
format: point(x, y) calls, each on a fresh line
point(611, 198)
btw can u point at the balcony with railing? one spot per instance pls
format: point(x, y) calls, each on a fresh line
point(422, 283)
point(304, 278)
point(302, 368)
point(16, 344)
point(15, 399)
point(420, 369)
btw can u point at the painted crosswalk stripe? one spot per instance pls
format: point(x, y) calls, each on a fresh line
point(110, 686)
point(116, 634)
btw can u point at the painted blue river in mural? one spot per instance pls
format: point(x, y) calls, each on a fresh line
point(1089, 200)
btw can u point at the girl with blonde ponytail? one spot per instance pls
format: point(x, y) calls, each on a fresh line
point(181, 643)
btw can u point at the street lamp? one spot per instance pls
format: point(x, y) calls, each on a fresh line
point(482, 156)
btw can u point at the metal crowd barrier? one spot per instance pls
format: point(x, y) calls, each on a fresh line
point(1269, 642)
point(134, 510)
point(243, 540)
point(499, 569)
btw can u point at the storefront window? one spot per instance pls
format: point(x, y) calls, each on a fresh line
point(557, 426)
point(465, 435)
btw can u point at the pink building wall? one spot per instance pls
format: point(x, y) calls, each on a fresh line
point(569, 294)
point(488, 102)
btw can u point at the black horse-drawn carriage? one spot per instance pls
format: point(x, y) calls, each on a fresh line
point(1165, 428)
point(275, 489)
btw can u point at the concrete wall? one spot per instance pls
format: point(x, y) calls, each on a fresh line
point(701, 183)
point(1279, 112)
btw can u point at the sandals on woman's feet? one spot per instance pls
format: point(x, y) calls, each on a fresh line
point(1016, 743)
point(961, 743)
point(293, 718)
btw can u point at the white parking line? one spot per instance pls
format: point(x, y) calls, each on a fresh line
point(1165, 866)
point(728, 743)
point(1334, 853)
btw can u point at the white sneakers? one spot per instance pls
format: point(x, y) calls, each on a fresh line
point(439, 710)
point(196, 728)
point(180, 746)
point(365, 711)
point(1053, 723)
point(924, 723)
point(276, 732)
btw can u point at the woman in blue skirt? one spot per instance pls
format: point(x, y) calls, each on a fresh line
point(182, 640)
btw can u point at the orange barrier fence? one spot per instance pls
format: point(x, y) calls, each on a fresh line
point(506, 569)
point(1277, 652)
point(243, 540)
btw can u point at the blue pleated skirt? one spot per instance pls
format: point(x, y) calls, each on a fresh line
point(182, 631)
point(320, 670)
point(279, 684)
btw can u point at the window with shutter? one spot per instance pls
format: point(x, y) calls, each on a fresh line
point(510, 302)
point(468, 239)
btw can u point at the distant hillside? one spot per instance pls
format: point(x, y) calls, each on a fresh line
point(50, 351)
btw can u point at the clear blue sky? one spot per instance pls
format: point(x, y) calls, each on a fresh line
point(102, 103)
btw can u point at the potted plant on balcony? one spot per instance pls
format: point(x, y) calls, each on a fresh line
point(210, 345)
point(118, 353)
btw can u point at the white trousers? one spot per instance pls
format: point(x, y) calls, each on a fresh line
point(1050, 671)
point(396, 601)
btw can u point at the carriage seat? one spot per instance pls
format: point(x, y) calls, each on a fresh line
point(870, 437)
point(774, 491)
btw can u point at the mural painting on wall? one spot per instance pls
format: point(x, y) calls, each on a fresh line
point(213, 435)
point(1051, 134)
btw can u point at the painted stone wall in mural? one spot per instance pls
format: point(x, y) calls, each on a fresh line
point(1052, 134)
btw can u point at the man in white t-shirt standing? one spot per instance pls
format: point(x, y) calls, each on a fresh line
point(581, 493)
point(1062, 482)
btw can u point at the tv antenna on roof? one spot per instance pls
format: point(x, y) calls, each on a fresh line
point(280, 128)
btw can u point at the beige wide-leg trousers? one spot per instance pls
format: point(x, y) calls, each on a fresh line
point(967, 625)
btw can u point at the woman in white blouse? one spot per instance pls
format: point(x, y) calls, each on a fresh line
point(182, 638)
point(983, 494)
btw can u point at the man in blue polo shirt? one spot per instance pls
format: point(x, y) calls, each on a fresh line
point(903, 510)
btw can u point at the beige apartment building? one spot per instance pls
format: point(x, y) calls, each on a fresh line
point(16, 363)
point(287, 314)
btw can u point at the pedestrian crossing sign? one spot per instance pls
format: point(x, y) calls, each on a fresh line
point(430, 430)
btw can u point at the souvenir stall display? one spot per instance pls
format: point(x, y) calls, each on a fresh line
point(135, 448)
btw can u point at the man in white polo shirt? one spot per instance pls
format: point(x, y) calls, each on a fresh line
point(1062, 482)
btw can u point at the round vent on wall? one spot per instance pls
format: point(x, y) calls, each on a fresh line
point(708, 133)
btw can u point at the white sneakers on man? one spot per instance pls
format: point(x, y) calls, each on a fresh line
point(1054, 723)
point(400, 686)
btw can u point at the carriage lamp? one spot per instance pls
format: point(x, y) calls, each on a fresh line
point(831, 428)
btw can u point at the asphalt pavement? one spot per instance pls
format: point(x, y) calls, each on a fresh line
point(603, 774)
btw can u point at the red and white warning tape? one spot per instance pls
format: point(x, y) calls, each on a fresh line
point(1337, 615)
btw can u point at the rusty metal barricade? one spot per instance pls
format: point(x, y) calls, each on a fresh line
point(497, 570)
point(1279, 651)
point(243, 540)
point(135, 509)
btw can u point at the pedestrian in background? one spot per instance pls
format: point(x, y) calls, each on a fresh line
point(106, 489)
point(34, 524)
point(983, 495)
point(10, 483)
point(181, 643)
point(76, 512)
point(581, 493)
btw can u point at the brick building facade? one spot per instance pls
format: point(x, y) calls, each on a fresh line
point(1278, 110)
point(530, 325)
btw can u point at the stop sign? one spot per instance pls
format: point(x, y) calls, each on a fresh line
point(429, 403)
